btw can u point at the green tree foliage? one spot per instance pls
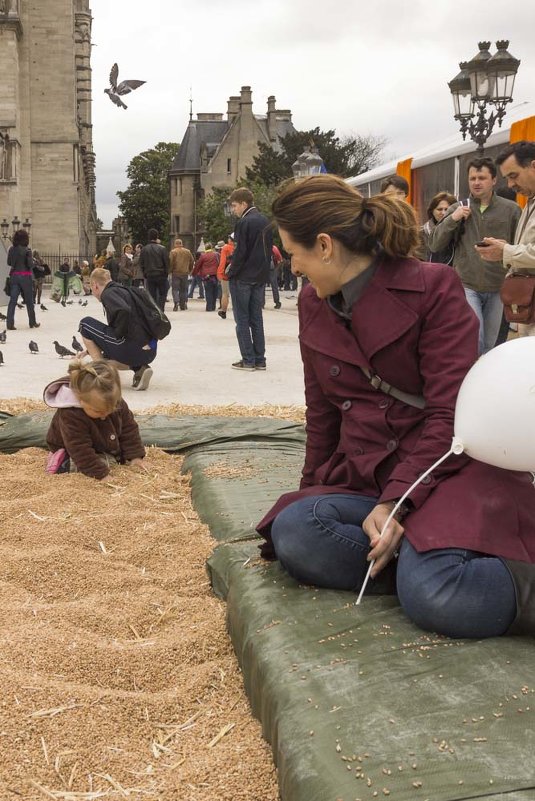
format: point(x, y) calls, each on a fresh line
point(145, 203)
point(217, 223)
point(350, 155)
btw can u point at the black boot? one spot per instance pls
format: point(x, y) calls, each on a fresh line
point(523, 575)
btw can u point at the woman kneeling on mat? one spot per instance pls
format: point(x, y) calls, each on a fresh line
point(386, 341)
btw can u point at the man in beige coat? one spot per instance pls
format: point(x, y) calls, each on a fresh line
point(180, 266)
point(517, 165)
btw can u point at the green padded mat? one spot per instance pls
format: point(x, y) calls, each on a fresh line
point(357, 703)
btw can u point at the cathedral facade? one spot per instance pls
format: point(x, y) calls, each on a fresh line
point(47, 163)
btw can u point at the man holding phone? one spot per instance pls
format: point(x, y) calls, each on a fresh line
point(468, 223)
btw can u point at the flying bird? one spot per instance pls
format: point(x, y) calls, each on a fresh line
point(3, 336)
point(76, 345)
point(33, 347)
point(43, 308)
point(62, 351)
point(117, 90)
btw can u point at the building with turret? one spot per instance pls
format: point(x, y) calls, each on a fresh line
point(47, 163)
point(215, 152)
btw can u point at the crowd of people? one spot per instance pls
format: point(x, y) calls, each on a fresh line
point(386, 341)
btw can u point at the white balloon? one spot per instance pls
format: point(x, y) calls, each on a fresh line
point(495, 411)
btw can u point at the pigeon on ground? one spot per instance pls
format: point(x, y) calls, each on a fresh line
point(43, 308)
point(62, 351)
point(124, 88)
point(2, 316)
point(84, 303)
point(20, 306)
point(1, 357)
point(33, 347)
point(70, 302)
point(76, 345)
point(80, 301)
point(3, 336)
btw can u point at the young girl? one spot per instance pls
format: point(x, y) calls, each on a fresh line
point(93, 427)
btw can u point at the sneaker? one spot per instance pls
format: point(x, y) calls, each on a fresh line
point(261, 366)
point(242, 366)
point(277, 305)
point(222, 314)
point(142, 377)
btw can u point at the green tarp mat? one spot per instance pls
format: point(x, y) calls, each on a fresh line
point(356, 702)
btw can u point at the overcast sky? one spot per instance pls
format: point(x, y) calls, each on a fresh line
point(379, 67)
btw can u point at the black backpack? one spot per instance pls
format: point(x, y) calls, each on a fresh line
point(152, 317)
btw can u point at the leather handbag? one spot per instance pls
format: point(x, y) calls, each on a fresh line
point(518, 298)
point(7, 286)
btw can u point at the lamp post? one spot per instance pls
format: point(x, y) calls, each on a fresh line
point(15, 226)
point(308, 163)
point(486, 80)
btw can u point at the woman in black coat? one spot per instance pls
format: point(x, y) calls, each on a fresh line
point(20, 260)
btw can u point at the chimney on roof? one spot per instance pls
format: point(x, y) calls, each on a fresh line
point(233, 107)
point(246, 101)
point(272, 118)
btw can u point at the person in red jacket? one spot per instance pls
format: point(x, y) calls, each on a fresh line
point(225, 259)
point(386, 342)
point(206, 268)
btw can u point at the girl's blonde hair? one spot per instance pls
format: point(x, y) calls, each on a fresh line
point(327, 204)
point(100, 378)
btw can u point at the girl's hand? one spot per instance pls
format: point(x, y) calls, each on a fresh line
point(382, 549)
point(138, 464)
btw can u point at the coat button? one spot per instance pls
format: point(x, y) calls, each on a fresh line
point(112, 436)
point(346, 405)
point(335, 370)
point(391, 445)
point(427, 480)
point(384, 404)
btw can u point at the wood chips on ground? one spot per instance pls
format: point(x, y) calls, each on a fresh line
point(118, 677)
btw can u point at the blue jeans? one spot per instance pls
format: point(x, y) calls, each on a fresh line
point(196, 280)
point(319, 540)
point(456, 592)
point(274, 284)
point(20, 285)
point(247, 300)
point(119, 349)
point(489, 310)
point(210, 290)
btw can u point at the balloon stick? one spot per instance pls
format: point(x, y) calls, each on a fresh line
point(456, 448)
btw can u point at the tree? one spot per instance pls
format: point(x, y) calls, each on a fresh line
point(350, 155)
point(145, 203)
point(215, 220)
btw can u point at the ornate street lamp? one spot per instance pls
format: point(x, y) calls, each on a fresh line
point(483, 81)
point(4, 225)
point(308, 163)
point(15, 222)
point(27, 224)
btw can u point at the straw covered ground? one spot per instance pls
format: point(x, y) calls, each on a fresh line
point(118, 678)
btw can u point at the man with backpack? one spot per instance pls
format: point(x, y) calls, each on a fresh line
point(134, 326)
point(154, 263)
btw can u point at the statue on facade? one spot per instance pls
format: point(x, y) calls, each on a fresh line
point(4, 144)
point(5, 6)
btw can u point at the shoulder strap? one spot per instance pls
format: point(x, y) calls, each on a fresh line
point(377, 383)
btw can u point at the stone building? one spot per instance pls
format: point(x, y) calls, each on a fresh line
point(47, 163)
point(215, 153)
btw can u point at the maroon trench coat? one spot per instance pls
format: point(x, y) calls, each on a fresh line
point(413, 327)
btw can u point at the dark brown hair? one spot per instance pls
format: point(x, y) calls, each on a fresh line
point(480, 164)
point(523, 151)
point(327, 204)
point(21, 237)
point(438, 198)
point(242, 195)
point(395, 180)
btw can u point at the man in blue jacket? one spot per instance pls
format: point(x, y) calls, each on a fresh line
point(248, 275)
